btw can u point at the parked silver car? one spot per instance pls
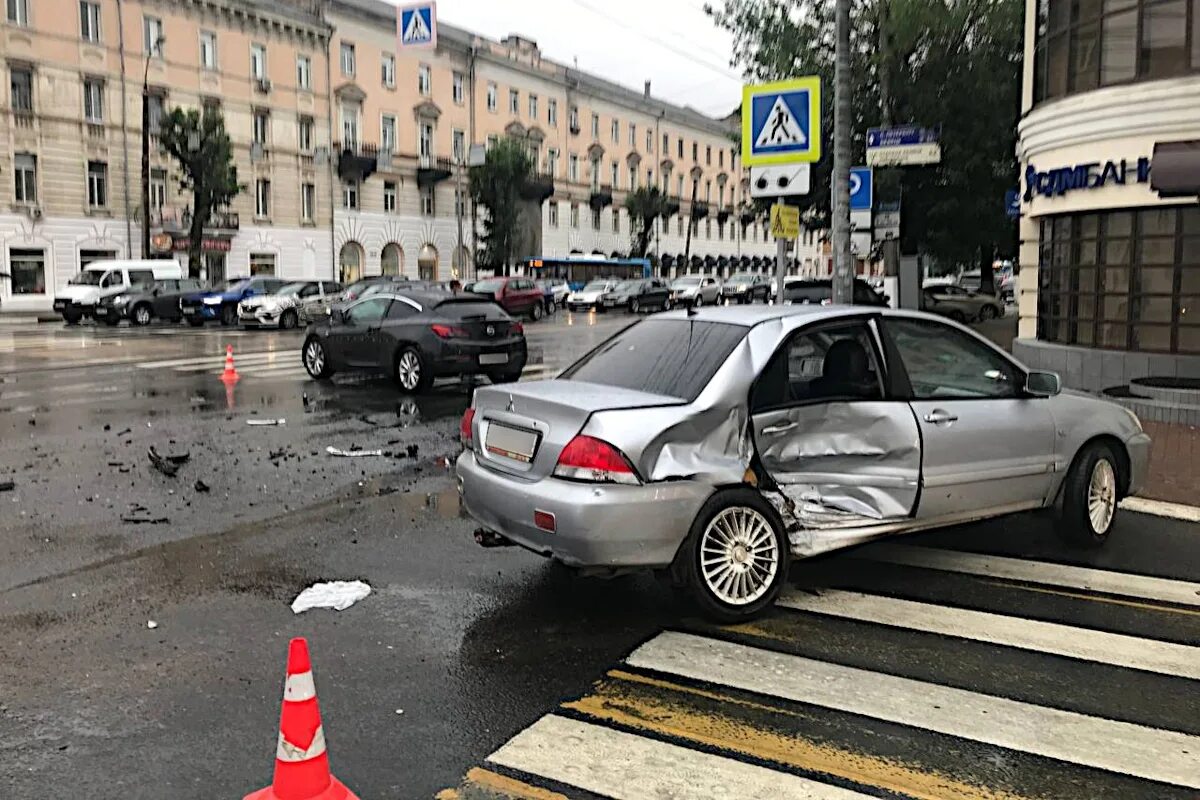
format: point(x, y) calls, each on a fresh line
point(959, 304)
point(697, 290)
point(294, 304)
point(723, 443)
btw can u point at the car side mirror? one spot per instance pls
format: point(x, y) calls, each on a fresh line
point(1042, 384)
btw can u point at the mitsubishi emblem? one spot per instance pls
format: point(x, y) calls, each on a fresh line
point(512, 406)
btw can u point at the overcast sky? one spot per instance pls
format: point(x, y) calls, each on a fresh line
point(670, 42)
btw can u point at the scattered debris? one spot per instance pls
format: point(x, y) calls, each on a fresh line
point(164, 465)
point(151, 624)
point(334, 451)
point(200, 486)
point(266, 422)
point(146, 520)
point(338, 595)
point(107, 427)
point(116, 463)
point(125, 432)
point(179, 458)
point(385, 490)
point(7, 486)
point(364, 418)
point(412, 450)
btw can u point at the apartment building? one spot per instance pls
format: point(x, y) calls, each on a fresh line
point(406, 120)
point(70, 135)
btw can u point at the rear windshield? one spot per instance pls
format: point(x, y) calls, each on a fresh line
point(488, 287)
point(673, 357)
point(465, 309)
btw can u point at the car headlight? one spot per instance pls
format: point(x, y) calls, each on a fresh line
point(212, 301)
point(120, 300)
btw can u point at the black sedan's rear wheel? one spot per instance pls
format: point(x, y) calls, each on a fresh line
point(316, 359)
point(410, 371)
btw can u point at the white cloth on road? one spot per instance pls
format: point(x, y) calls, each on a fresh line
point(338, 595)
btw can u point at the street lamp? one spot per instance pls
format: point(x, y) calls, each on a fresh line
point(155, 47)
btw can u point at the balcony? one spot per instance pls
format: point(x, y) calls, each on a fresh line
point(699, 210)
point(180, 220)
point(601, 197)
point(356, 161)
point(670, 208)
point(432, 170)
point(538, 186)
point(23, 118)
point(723, 215)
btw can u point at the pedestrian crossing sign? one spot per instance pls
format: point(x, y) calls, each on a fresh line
point(416, 25)
point(781, 122)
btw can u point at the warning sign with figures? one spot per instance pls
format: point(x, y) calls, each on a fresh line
point(781, 122)
point(785, 221)
point(416, 25)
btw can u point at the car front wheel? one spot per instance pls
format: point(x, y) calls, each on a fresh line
point(229, 315)
point(634, 306)
point(289, 320)
point(736, 556)
point(411, 375)
point(142, 314)
point(988, 312)
point(1090, 494)
point(536, 312)
point(316, 360)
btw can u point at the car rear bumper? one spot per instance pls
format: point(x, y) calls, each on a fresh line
point(65, 306)
point(464, 359)
point(110, 312)
point(596, 525)
point(1138, 448)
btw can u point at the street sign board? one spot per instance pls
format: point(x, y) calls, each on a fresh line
point(783, 180)
point(781, 122)
point(887, 224)
point(901, 146)
point(861, 188)
point(416, 25)
point(785, 221)
point(1012, 203)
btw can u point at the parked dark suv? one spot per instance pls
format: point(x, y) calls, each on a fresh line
point(820, 292)
point(517, 296)
point(143, 304)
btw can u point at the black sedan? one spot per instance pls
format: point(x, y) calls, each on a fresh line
point(143, 304)
point(638, 295)
point(416, 336)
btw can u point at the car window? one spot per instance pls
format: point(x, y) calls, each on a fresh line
point(400, 310)
point(112, 278)
point(368, 311)
point(832, 363)
point(332, 287)
point(944, 362)
point(167, 286)
point(141, 277)
point(190, 285)
point(662, 356)
point(309, 290)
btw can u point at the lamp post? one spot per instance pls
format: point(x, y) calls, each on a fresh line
point(155, 47)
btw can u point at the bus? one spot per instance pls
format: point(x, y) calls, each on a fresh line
point(578, 270)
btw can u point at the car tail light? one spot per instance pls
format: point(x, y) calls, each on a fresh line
point(588, 459)
point(517, 329)
point(464, 427)
point(449, 331)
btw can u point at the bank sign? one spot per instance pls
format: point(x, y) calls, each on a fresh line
point(1093, 175)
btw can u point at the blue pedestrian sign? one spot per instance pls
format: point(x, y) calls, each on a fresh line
point(861, 188)
point(416, 25)
point(781, 122)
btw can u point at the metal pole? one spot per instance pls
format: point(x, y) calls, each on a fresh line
point(146, 166)
point(780, 268)
point(843, 272)
point(124, 131)
point(459, 201)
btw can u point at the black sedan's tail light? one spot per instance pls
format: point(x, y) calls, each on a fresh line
point(449, 331)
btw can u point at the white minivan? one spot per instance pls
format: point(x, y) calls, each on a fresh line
point(103, 278)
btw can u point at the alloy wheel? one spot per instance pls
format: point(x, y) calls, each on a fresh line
point(314, 358)
point(408, 370)
point(739, 556)
point(141, 315)
point(1102, 495)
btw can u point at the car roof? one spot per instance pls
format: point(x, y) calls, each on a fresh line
point(752, 315)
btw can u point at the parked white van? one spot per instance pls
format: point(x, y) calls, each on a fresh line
point(103, 278)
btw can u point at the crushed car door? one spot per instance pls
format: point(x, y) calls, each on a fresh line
point(842, 453)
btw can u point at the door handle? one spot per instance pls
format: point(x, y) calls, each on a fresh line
point(940, 417)
point(782, 427)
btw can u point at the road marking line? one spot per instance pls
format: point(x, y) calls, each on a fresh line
point(1161, 508)
point(210, 359)
point(1122, 747)
point(502, 784)
point(624, 766)
point(1131, 652)
point(622, 701)
point(269, 369)
point(1099, 599)
point(1164, 590)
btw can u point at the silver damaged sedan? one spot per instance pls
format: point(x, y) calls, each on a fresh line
point(719, 444)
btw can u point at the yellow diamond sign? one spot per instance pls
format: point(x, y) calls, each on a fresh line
point(785, 221)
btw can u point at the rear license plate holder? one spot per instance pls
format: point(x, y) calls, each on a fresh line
point(517, 444)
point(493, 358)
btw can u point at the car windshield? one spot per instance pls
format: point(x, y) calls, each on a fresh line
point(683, 283)
point(626, 286)
point(292, 288)
point(596, 286)
point(742, 277)
point(488, 286)
point(87, 278)
point(671, 357)
point(233, 283)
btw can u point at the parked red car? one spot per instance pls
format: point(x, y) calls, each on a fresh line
point(517, 296)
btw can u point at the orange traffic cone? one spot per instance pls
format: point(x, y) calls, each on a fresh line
point(301, 763)
point(230, 374)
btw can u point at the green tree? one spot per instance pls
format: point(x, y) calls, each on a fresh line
point(496, 188)
point(953, 63)
point(644, 205)
point(200, 145)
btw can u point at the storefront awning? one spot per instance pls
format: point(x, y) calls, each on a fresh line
point(1175, 169)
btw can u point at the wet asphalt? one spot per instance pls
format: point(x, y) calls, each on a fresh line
point(457, 648)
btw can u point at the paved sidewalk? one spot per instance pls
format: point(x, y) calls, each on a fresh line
point(1174, 463)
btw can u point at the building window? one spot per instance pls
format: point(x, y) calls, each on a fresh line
point(666, 148)
point(514, 102)
point(679, 147)
point(721, 196)
point(595, 126)
point(153, 39)
point(594, 174)
point(574, 215)
point(28, 269)
point(89, 21)
point(306, 134)
point(427, 206)
point(350, 195)
point(491, 97)
point(573, 119)
point(158, 188)
point(632, 135)
point(155, 101)
point(425, 140)
point(492, 140)
point(616, 131)
point(1121, 280)
point(720, 231)
point(1084, 45)
point(615, 176)
point(93, 100)
point(553, 213)
point(262, 264)
point(708, 191)
point(18, 12)
point(695, 152)
point(348, 62)
point(208, 50)
point(460, 203)
point(573, 167)
point(456, 88)
point(552, 162)
point(720, 158)
point(424, 80)
point(387, 133)
point(649, 141)
point(533, 107)
point(262, 127)
point(595, 219)
point(707, 228)
point(678, 186)
point(616, 219)
point(350, 126)
point(708, 155)
point(389, 196)
point(308, 201)
point(633, 178)
point(458, 146)
point(211, 105)
point(262, 198)
point(258, 61)
point(304, 73)
point(97, 184)
point(552, 113)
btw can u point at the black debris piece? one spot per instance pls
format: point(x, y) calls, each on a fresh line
point(146, 520)
point(107, 427)
point(412, 450)
point(200, 486)
point(7, 486)
point(179, 458)
point(125, 432)
point(163, 465)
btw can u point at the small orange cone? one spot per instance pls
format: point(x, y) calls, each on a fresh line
point(301, 762)
point(230, 374)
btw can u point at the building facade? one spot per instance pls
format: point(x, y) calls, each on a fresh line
point(71, 128)
point(1110, 271)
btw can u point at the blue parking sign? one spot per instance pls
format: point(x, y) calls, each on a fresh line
point(861, 188)
point(781, 122)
